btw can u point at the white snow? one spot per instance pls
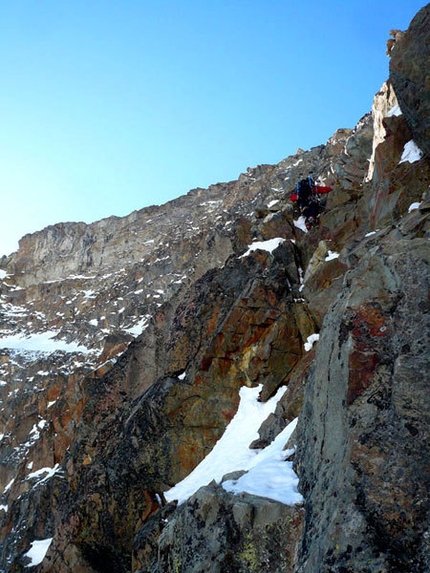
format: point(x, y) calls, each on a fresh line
point(331, 255)
point(3, 274)
point(269, 246)
point(139, 327)
point(395, 110)
point(9, 485)
point(411, 152)
point(40, 342)
point(300, 224)
point(273, 203)
point(82, 277)
point(310, 341)
point(48, 471)
point(413, 207)
point(269, 475)
point(38, 550)
point(89, 293)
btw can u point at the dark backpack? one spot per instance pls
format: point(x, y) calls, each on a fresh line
point(304, 190)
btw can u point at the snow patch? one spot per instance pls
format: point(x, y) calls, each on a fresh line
point(269, 246)
point(331, 255)
point(310, 341)
point(40, 342)
point(37, 551)
point(411, 152)
point(394, 111)
point(300, 223)
point(139, 327)
point(9, 485)
point(269, 474)
point(89, 293)
point(50, 472)
point(413, 207)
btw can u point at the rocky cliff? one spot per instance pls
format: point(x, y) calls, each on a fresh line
point(126, 343)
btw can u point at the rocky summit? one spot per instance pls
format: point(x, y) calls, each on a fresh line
point(129, 348)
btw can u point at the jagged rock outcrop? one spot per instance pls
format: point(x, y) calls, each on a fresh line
point(364, 429)
point(167, 313)
point(410, 60)
point(247, 534)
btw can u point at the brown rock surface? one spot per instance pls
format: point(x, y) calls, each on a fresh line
point(409, 73)
point(175, 320)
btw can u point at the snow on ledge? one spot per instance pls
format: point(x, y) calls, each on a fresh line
point(411, 152)
point(331, 255)
point(300, 223)
point(310, 341)
point(269, 246)
point(40, 342)
point(269, 475)
point(37, 551)
point(413, 207)
point(395, 110)
point(9, 485)
point(47, 473)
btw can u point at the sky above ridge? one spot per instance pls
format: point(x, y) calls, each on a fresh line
point(107, 107)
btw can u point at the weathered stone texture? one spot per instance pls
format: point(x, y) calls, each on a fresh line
point(363, 436)
point(215, 531)
point(409, 73)
point(136, 414)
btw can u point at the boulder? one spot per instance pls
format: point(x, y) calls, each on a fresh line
point(218, 531)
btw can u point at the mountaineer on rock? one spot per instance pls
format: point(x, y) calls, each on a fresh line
point(307, 197)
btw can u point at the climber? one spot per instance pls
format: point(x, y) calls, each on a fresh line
point(307, 197)
point(307, 200)
point(305, 188)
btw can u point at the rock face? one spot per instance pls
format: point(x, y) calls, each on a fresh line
point(140, 331)
point(361, 462)
point(410, 56)
point(248, 534)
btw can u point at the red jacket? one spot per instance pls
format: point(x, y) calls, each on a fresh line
point(319, 190)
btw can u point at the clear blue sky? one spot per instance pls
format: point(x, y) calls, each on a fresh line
point(107, 106)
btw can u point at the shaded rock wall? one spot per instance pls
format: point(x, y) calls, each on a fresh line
point(410, 58)
point(363, 435)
